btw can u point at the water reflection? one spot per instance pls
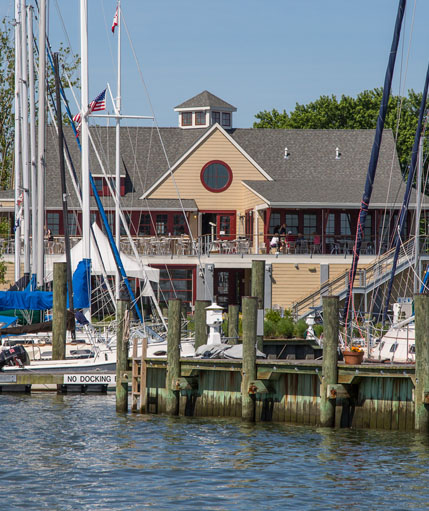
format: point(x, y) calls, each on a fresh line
point(102, 460)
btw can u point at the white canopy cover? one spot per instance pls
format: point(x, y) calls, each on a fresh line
point(132, 267)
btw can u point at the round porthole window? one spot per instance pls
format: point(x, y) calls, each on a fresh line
point(216, 176)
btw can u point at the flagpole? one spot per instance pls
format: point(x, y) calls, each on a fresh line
point(118, 152)
point(17, 167)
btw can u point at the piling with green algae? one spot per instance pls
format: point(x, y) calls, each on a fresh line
point(59, 313)
point(233, 319)
point(122, 335)
point(421, 392)
point(248, 401)
point(200, 322)
point(330, 359)
point(258, 290)
point(173, 357)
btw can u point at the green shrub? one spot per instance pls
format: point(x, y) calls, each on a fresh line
point(269, 328)
point(300, 329)
point(318, 330)
point(273, 315)
point(285, 328)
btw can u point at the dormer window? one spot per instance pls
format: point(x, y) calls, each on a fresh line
point(226, 119)
point(102, 186)
point(200, 118)
point(186, 118)
point(204, 110)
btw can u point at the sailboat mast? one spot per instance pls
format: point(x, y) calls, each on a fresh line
point(407, 194)
point(33, 166)
point(41, 162)
point(417, 221)
point(17, 167)
point(118, 152)
point(25, 141)
point(86, 218)
point(372, 167)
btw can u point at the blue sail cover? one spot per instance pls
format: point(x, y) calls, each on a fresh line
point(81, 285)
point(26, 300)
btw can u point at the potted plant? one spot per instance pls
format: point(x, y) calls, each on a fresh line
point(353, 356)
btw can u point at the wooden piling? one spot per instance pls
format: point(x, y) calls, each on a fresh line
point(59, 314)
point(173, 357)
point(330, 359)
point(421, 392)
point(248, 397)
point(233, 312)
point(200, 322)
point(122, 335)
point(258, 290)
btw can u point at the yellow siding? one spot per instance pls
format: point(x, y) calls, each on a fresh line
point(187, 176)
point(250, 200)
point(290, 283)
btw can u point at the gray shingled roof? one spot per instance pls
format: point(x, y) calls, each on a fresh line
point(311, 174)
point(143, 161)
point(206, 99)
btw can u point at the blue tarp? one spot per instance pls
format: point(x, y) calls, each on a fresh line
point(42, 300)
point(26, 300)
point(6, 321)
point(81, 285)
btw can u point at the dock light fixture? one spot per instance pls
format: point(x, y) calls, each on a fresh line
point(286, 155)
point(337, 153)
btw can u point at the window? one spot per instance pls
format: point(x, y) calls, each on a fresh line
point(292, 222)
point(176, 283)
point(72, 224)
point(102, 186)
point(330, 224)
point(200, 118)
point(310, 223)
point(161, 224)
point(345, 224)
point(216, 176)
point(226, 119)
point(274, 222)
point(53, 222)
point(110, 220)
point(225, 225)
point(127, 216)
point(144, 225)
point(179, 225)
point(99, 181)
point(216, 117)
point(186, 118)
point(367, 233)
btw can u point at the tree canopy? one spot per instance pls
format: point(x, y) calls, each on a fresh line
point(7, 87)
point(361, 112)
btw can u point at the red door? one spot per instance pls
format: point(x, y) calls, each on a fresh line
point(225, 226)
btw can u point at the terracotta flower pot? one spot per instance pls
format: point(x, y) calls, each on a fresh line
point(353, 357)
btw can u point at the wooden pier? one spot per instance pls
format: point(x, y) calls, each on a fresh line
point(312, 392)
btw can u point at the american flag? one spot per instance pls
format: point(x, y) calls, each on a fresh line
point(115, 21)
point(98, 104)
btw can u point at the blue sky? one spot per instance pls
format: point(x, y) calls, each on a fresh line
point(257, 55)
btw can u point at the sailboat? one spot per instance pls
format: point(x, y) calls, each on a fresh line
point(398, 343)
point(102, 354)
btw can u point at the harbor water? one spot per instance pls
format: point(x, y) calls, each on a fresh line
point(74, 452)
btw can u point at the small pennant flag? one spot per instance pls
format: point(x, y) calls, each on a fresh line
point(115, 21)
